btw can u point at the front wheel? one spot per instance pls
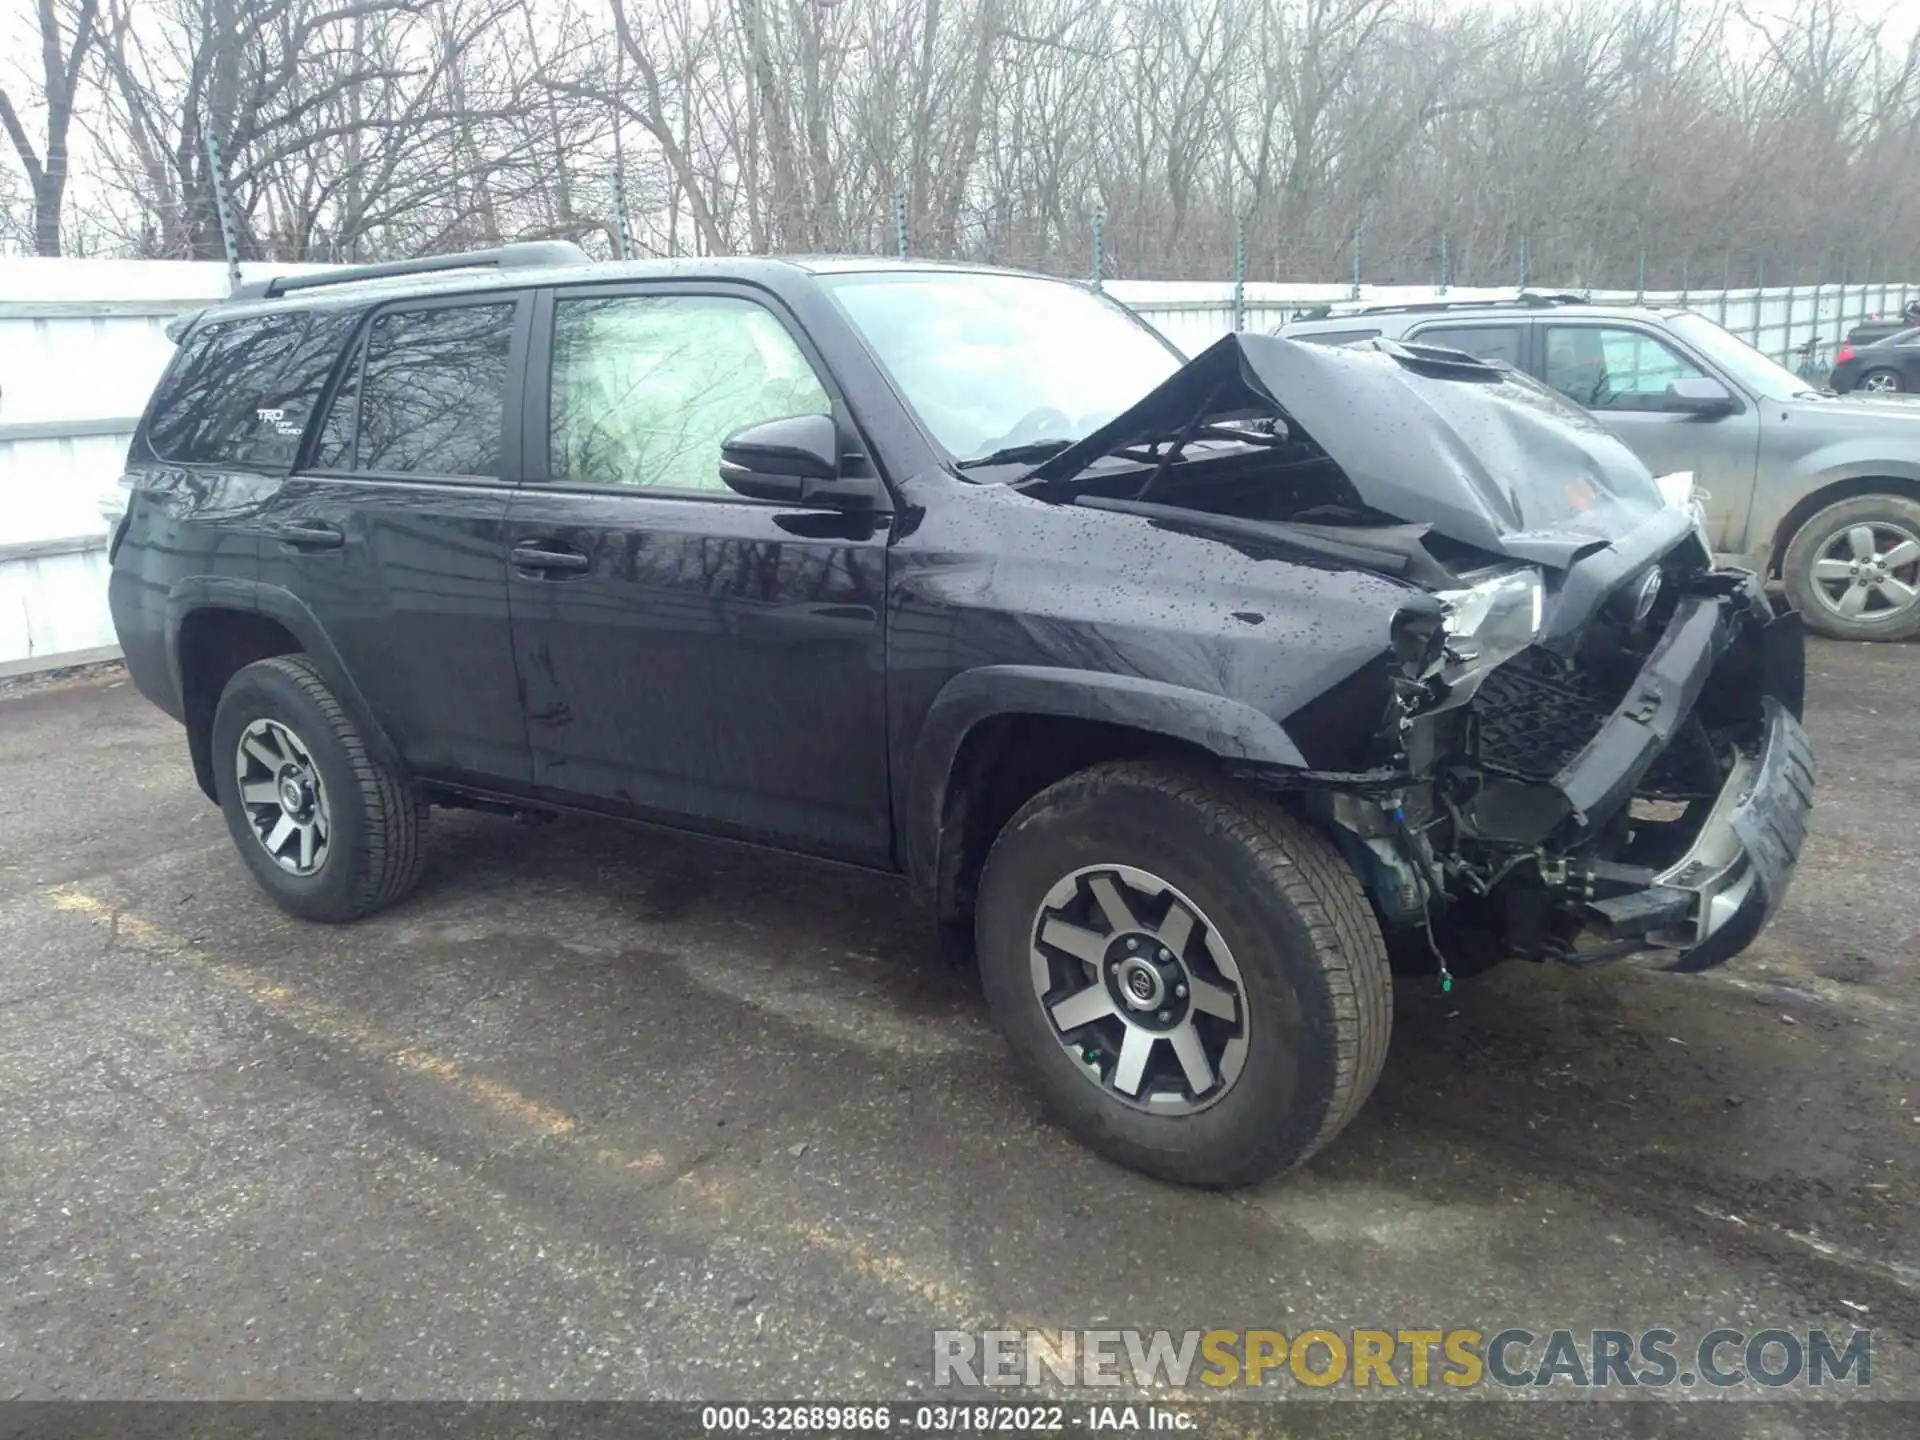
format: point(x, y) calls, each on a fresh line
point(326, 828)
point(1190, 978)
point(1853, 570)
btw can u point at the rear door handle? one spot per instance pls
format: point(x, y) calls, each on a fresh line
point(312, 535)
point(545, 561)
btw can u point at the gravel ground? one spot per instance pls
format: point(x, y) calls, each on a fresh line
point(606, 1113)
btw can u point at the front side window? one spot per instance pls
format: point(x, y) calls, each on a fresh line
point(990, 362)
point(243, 390)
point(426, 396)
point(645, 387)
point(1483, 342)
point(1606, 368)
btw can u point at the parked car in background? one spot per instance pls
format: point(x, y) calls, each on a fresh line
point(1818, 490)
point(1879, 327)
point(1173, 688)
point(1885, 367)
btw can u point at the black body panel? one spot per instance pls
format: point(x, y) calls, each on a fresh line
point(412, 591)
point(712, 663)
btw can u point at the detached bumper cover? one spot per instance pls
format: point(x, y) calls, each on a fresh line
point(1736, 873)
point(1602, 778)
point(1716, 898)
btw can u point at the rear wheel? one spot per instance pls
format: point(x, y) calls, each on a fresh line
point(1853, 570)
point(327, 829)
point(1882, 382)
point(1190, 978)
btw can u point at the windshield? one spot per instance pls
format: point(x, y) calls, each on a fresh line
point(1754, 371)
point(989, 362)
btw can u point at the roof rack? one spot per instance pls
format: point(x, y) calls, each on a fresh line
point(1526, 300)
point(520, 255)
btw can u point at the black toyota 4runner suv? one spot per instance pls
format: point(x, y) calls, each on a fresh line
point(1180, 692)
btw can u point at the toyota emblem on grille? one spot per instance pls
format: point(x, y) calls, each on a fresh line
point(1643, 601)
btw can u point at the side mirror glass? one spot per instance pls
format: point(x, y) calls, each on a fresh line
point(1700, 396)
point(795, 459)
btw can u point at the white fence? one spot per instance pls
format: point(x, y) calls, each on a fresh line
point(1777, 321)
point(83, 341)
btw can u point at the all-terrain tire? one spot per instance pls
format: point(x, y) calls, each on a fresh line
point(1895, 515)
point(1315, 983)
point(374, 848)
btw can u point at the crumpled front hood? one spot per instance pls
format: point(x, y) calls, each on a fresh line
point(1485, 456)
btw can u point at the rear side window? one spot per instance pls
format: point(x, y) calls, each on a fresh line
point(426, 395)
point(1483, 342)
point(243, 390)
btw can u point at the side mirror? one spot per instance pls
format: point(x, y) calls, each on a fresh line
point(1700, 396)
point(795, 459)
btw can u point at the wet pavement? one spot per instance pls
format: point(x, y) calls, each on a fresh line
point(602, 1112)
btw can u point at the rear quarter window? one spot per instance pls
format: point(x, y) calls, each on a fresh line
point(242, 391)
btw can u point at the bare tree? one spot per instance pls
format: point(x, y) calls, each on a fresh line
point(1582, 144)
point(67, 32)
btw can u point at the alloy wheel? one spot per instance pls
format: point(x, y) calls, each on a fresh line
point(284, 797)
point(1881, 382)
point(1140, 989)
point(1869, 571)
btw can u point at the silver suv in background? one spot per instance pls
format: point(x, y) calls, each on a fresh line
point(1819, 490)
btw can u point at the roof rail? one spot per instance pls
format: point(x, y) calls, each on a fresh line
point(1526, 300)
point(517, 256)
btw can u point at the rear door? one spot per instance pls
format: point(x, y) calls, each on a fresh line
point(1620, 372)
point(393, 532)
point(690, 655)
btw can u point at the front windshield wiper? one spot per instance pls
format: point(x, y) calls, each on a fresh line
point(1019, 454)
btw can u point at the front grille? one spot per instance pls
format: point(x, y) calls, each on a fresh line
point(1530, 725)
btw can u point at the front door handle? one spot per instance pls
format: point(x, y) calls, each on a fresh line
point(312, 535)
point(545, 561)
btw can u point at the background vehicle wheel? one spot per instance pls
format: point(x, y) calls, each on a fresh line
point(1191, 979)
point(1853, 571)
point(1881, 382)
point(328, 831)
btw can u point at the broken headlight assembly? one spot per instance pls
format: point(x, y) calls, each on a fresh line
point(1486, 623)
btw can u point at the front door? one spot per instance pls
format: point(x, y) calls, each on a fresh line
point(1620, 372)
point(394, 533)
point(687, 654)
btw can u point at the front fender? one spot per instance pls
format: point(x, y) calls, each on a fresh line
point(1230, 729)
point(1782, 494)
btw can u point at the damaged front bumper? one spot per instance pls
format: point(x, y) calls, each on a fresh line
point(1718, 897)
point(1573, 815)
point(1709, 903)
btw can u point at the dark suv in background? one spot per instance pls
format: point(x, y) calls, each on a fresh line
point(1178, 691)
point(1820, 490)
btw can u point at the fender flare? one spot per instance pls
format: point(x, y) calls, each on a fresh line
point(1224, 727)
point(213, 592)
